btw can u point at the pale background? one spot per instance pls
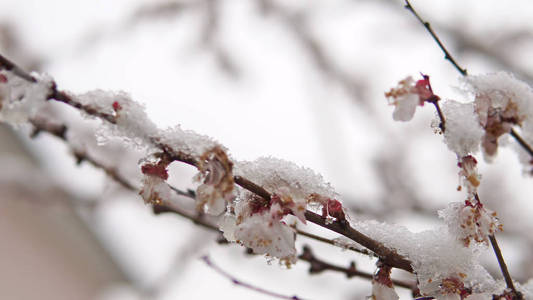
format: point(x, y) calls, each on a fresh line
point(298, 80)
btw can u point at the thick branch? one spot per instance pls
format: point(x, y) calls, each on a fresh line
point(387, 255)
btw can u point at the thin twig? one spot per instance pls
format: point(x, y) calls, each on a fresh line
point(317, 266)
point(6, 64)
point(332, 242)
point(236, 281)
point(522, 142)
point(501, 262)
point(442, 124)
point(427, 25)
point(463, 71)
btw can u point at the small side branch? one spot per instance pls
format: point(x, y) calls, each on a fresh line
point(332, 242)
point(427, 25)
point(501, 262)
point(387, 255)
point(317, 266)
point(522, 142)
point(6, 64)
point(236, 281)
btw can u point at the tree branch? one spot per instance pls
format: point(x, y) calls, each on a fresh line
point(427, 25)
point(522, 142)
point(388, 256)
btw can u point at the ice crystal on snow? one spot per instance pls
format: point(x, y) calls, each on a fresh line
point(284, 177)
point(188, 141)
point(132, 122)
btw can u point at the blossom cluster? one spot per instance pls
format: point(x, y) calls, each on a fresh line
point(264, 225)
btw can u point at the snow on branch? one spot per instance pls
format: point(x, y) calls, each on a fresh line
point(127, 120)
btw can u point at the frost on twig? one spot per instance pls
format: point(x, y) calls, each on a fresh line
point(20, 100)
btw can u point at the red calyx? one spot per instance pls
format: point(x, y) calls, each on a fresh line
point(334, 209)
point(157, 170)
point(116, 106)
point(424, 90)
